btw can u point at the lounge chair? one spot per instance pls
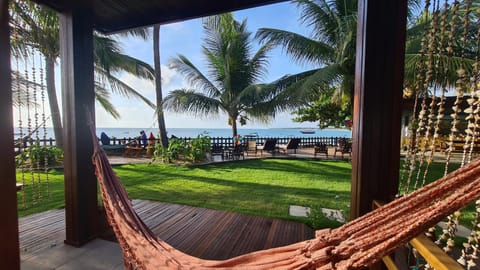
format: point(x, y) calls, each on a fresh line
point(344, 147)
point(268, 146)
point(114, 149)
point(238, 151)
point(320, 148)
point(217, 150)
point(291, 145)
point(251, 147)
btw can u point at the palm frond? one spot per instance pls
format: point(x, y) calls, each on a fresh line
point(189, 101)
point(134, 66)
point(141, 32)
point(259, 62)
point(22, 90)
point(302, 49)
point(119, 87)
point(194, 76)
point(447, 74)
point(102, 96)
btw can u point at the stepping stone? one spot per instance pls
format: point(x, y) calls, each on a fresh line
point(298, 211)
point(334, 214)
point(302, 211)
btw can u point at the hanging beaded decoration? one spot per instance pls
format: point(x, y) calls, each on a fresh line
point(411, 157)
point(421, 152)
point(20, 142)
point(449, 232)
point(31, 155)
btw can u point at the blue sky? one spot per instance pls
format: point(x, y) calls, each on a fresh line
point(186, 38)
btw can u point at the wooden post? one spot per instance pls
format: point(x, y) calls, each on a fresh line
point(377, 102)
point(76, 47)
point(9, 247)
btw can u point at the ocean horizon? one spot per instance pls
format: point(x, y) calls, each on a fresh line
point(212, 132)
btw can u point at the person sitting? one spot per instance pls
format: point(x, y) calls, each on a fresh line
point(104, 138)
point(237, 140)
point(143, 139)
point(151, 139)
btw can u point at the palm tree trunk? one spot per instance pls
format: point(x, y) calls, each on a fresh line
point(234, 126)
point(162, 130)
point(53, 101)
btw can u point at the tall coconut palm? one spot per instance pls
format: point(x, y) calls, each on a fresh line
point(38, 27)
point(162, 130)
point(232, 83)
point(330, 47)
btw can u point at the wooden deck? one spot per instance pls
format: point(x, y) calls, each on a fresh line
point(204, 233)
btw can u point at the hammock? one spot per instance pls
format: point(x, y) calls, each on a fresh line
point(355, 245)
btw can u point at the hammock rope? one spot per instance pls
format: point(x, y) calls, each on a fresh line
point(357, 244)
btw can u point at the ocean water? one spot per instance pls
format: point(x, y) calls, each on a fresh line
point(212, 132)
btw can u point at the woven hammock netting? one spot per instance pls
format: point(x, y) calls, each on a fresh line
point(357, 244)
point(365, 240)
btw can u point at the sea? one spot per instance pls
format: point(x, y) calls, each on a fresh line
point(212, 132)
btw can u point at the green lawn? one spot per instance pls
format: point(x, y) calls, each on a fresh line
point(264, 187)
point(260, 187)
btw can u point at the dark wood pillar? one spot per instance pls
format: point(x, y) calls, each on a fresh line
point(377, 102)
point(9, 248)
point(76, 45)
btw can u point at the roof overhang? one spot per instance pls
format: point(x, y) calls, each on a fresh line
point(116, 15)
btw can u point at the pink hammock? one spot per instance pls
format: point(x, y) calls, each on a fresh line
point(355, 245)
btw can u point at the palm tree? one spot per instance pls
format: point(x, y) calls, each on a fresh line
point(461, 56)
point(38, 27)
point(162, 130)
point(233, 73)
point(331, 47)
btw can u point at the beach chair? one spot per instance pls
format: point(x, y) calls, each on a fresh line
point(238, 151)
point(291, 145)
point(268, 146)
point(251, 147)
point(217, 150)
point(344, 147)
point(320, 148)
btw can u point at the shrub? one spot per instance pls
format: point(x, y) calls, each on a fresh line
point(180, 150)
point(37, 155)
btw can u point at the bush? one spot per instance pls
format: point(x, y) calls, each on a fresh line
point(39, 156)
point(199, 147)
point(180, 150)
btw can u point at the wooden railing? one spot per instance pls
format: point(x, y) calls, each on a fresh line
point(222, 141)
point(433, 254)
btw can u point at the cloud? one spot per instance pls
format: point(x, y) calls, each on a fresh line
point(133, 116)
point(168, 75)
point(143, 86)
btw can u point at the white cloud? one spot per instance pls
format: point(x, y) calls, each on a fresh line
point(168, 75)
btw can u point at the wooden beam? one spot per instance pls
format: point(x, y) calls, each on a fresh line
point(9, 248)
point(378, 96)
point(76, 45)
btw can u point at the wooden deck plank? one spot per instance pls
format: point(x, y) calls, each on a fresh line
point(204, 233)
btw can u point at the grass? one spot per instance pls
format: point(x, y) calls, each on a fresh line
point(264, 187)
point(260, 187)
point(44, 195)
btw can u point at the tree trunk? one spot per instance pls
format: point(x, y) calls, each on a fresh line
point(162, 130)
point(53, 101)
point(234, 126)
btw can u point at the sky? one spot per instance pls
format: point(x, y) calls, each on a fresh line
point(186, 38)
